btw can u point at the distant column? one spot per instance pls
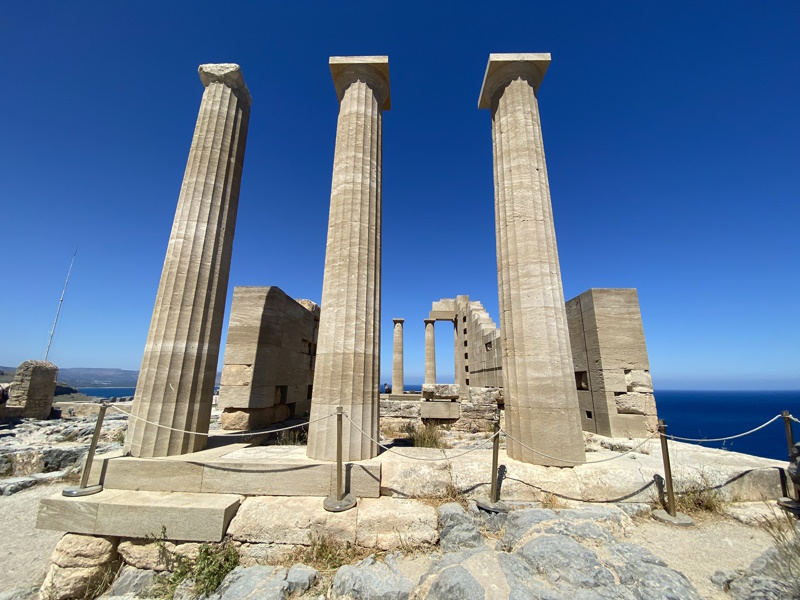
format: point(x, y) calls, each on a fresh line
point(541, 399)
point(397, 357)
point(348, 349)
point(430, 352)
point(179, 366)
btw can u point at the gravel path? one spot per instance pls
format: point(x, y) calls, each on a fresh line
point(714, 543)
point(24, 550)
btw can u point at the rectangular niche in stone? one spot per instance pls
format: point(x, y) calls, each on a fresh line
point(268, 368)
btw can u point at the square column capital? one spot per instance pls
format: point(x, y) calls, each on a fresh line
point(503, 68)
point(373, 70)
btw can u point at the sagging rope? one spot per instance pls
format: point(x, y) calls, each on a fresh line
point(248, 435)
point(393, 451)
point(724, 439)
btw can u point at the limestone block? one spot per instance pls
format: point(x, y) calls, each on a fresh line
point(637, 380)
point(274, 520)
point(480, 411)
point(391, 524)
point(156, 476)
point(33, 388)
point(146, 554)
point(236, 375)
point(74, 550)
point(400, 408)
point(440, 391)
point(70, 583)
point(253, 418)
point(407, 478)
point(635, 404)
point(440, 409)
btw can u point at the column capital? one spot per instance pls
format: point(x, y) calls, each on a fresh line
point(428, 321)
point(396, 321)
point(504, 68)
point(372, 70)
point(229, 74)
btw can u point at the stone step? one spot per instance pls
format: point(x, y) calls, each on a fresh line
point(126, 513)
point(249, 471)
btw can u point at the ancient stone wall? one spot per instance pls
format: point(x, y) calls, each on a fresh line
point(612, 372)
point(32, 390)
point(268, 368)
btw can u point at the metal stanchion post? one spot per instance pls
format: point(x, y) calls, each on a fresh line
point(341, 501)
point(494, 504)
point(787, 422)
point(84, 489)
point(662, 429)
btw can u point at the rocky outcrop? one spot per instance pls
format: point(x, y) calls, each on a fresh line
point(79, 563)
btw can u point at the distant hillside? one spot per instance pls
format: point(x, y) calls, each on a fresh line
point(80, 377)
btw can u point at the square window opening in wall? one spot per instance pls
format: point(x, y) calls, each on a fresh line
point(465, 343)
point(281, 394)
point(488, 346)
point(588, 414)
point(464, 319)
point(466, 355)
point(309, 392)
point(465, 331)
point(467, 381)
point(466, 368)
point(582, 380)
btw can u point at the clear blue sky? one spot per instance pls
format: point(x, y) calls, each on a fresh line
point(671, 130)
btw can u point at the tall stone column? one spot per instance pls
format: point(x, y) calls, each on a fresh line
point(397, 357)
point(430, 351)
point(347, 368)
point(541, 398)
point(179, 366)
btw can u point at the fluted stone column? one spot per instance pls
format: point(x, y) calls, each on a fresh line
point(179, 366)
point(541, 400)
point(430, 351)
point(348, 349)
point(397, 357)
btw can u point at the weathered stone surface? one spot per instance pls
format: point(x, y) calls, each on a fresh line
point(404, 409)
point(479, 412)
point(24, 593)
point(370, 579)
point(758, 587)
point(519, 522)
point(457, 531)
point(397, 357)
point(348, 351)
point(635, 404)
point(455, 583)
point(560, 558)
point(392, 523)
point(260, 582)
point(292, 521)
point(300, 578)
point(441, 391)
point(430, 352)
point(74, 550)
point(648, 580)
point(147, 555)
point(179, 365)
point(133, 581)
point(542, 410)
point(638, 380)
point(253, 418)
point(33, 388)
point(70, 583)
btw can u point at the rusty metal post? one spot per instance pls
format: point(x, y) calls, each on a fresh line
point(495, 493)
point(84, 489)
point(662, 429)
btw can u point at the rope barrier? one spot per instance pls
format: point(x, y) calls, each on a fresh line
point(723, 439)
point(393, 451)
point(795, 419)
point(247, 435)
point(588, 462)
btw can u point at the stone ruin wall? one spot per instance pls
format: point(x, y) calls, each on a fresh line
point(32, 391)
point(268, 368)
point(612, 371)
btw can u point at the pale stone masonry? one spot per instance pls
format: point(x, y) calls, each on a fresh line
point(430, 351)
point(268, 369)
point(348, 352)
point(612, 371)
point(32, 391)
point(397, 357)
point(179, 366)
point(541, 401)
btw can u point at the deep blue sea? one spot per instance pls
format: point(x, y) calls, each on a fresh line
point(689, 414)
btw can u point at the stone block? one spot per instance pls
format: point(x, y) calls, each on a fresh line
point(33, 389)
point(392, 523)
point(434, 409)
point(440, 391)
point(638, 381)
point(74, 550)
point(253, 418)
point(633, 403)
point(184, 516)
point(152, 475)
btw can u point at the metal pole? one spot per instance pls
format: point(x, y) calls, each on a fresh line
point(341, 501)
point(495, 452)
point(84, 489)
point(60, 302)
point(339, 486)
point(662, 429)
point(787, 421)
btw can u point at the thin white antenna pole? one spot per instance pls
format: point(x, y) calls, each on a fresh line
point(60, 302)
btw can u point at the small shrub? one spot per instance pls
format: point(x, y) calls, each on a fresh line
point(427, 436)
point(119, 437)
point(328, 553)
point(784, 530)
point(292, 437)
point(551, 501)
